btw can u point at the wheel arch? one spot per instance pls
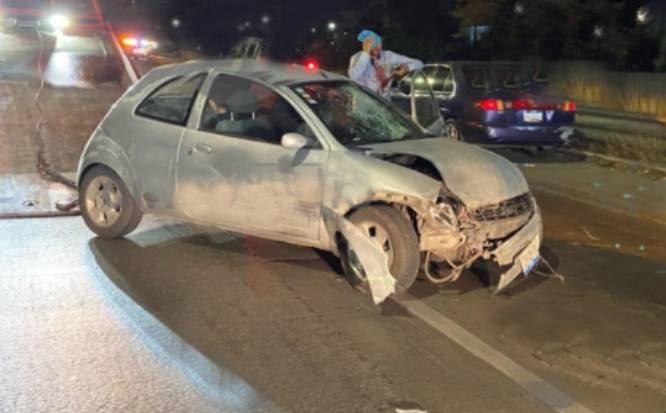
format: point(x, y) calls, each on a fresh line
point(123, 173)
point(413, 207)
point(102, 150)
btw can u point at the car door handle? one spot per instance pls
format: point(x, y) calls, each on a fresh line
point(203, 148)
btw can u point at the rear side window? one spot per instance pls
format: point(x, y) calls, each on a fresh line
point(172, 101)
point(476, 77)
point(539, 74)
point(441, 80)
point(509, 77)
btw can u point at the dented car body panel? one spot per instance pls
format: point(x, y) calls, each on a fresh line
point(465, 202)
point(477, 176)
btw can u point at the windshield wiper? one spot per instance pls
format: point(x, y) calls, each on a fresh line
point(412, 136)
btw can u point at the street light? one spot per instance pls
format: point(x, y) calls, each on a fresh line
point(175, 23)
point(332, 26)
point(519, 8)
point(643, 15)
point(265, 19)
point(313, 30)
point(59, 22)
point(599, 31)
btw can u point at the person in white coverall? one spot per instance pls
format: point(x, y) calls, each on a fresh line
point(374, 68)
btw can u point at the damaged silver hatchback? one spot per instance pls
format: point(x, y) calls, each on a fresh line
point(312, 159)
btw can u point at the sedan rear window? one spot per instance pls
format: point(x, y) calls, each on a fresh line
point(477, 77)
point(172, 101)
point(502, 75)
point(512, 77)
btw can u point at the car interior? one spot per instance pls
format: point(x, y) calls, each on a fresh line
point(241, 108)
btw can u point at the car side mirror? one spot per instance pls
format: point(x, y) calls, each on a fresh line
point(295, 141)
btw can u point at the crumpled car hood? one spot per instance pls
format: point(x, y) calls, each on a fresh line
point(477, 176)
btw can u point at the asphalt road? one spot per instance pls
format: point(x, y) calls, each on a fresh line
point(80, 61)
point(180, 318)
point(82, 80)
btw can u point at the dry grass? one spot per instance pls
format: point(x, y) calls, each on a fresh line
point(583, 91)
point(629, 92)
point(646, 149)
point(634, 100)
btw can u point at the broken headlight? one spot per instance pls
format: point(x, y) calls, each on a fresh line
point(446, 210)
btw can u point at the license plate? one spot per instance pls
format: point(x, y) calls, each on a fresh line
point(533, 116)
point(529, 258)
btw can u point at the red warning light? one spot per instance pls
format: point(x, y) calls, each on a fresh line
point(312, 65)
point(130, 41)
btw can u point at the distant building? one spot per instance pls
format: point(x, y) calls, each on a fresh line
point(475, 33)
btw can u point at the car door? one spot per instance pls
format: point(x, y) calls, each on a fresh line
point(440, 78)
point(425, 109)
point(413, 96)
point(401, 95)
point(160, 121)
point(232, 170)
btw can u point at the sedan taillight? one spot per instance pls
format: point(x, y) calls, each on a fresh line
point(491, 104)
point(569, 106)
point(522, 104)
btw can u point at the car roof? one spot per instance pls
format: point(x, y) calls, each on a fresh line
point(276, 74)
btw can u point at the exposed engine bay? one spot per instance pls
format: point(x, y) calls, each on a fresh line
point(453, 237)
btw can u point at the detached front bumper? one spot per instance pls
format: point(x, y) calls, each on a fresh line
point(520, 253)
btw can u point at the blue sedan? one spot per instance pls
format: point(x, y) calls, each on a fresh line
point(500, 104)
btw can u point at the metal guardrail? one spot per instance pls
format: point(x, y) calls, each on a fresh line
point(613, 114)
point(596, 124)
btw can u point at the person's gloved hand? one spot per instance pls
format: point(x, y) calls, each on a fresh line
point(400, 71)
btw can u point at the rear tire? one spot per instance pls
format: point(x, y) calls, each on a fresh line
point(106, 204)
point(398, 238)
point(453, 130)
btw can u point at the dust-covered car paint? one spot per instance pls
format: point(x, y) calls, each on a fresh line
point(465, 203)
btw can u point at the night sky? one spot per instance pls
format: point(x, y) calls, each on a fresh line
point(217, 20)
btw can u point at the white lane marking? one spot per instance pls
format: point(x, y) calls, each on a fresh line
point(537, 387)
point(594, 204)
point(127, 64)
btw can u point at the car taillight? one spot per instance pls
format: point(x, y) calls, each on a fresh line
point(569, 106)
point(491, 104)
point(311, 65)
point(522, 104)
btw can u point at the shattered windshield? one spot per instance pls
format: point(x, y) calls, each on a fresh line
point(355, 116)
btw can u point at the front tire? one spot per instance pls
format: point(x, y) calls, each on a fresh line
point(106, 204)
point(395, 233)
